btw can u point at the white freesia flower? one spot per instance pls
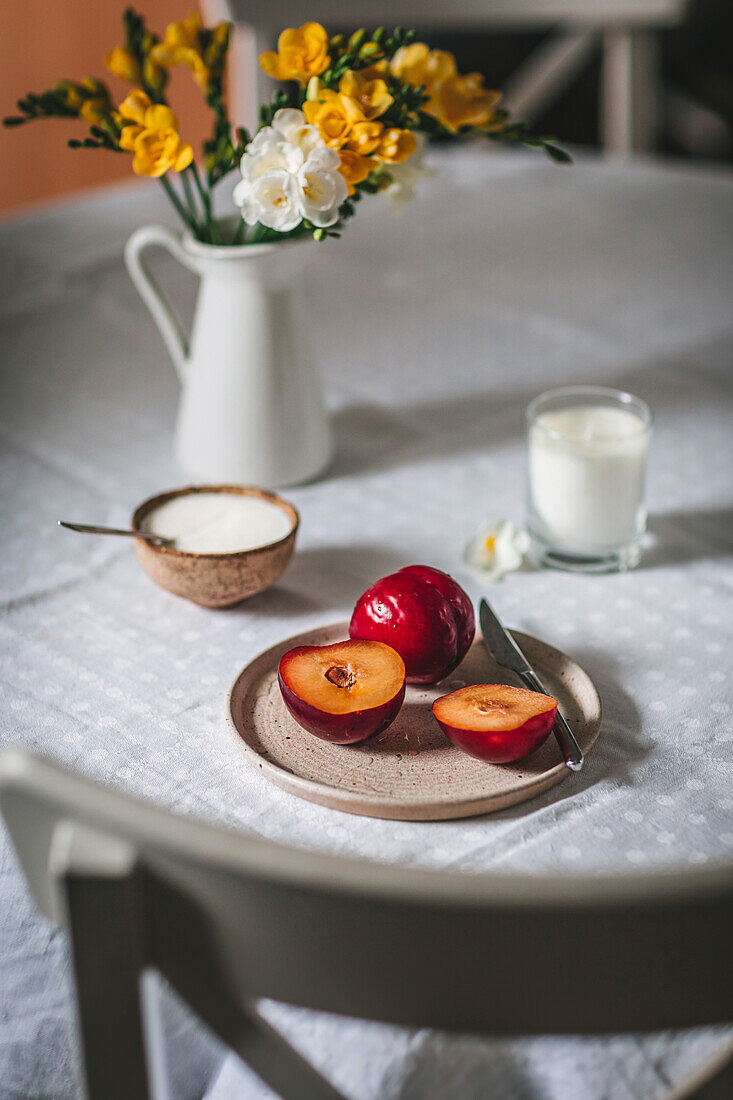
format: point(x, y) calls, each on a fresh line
point(291, 124)
point(322, 191)
point(268, 150)
point(497, 548)
point(406, 177)
point(272, 199)
point(289, 173)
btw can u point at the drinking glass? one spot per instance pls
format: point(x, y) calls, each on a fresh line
point(588, 450)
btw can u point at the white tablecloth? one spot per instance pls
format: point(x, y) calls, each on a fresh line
point(509, 276)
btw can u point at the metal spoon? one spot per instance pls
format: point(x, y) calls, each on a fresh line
point(86, 529)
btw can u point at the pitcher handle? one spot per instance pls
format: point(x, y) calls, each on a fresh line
point(162, 313)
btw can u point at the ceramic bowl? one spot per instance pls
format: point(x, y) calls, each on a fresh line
point(215, 580)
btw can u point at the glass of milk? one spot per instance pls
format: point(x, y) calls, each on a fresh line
point(587, 463)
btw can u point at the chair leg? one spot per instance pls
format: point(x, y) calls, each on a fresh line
point(713, 1081)
point(549, 69)
point(264, 1049)
point(630, 91)
point(178, 945)
point(154, 1033)
point(101, 897)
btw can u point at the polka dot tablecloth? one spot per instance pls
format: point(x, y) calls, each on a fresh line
point(434, 331)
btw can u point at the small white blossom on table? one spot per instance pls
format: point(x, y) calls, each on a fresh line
point(497, 548)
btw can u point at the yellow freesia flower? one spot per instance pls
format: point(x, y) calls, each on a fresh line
point(121, 62)
point(354, 168)
point(71, 93)
point(371, 49)
point(151, 133)
point(417, 64)
point(160, 150)
point(364, 137)
point(134, 108)
point(182, 46)
point(372, 94)
point(463, 101)
point(95, 110)
point(154, 74)
point(334, 114)
point(89, 98)
point(301, 53)
point(454, 100)
point(218, 45)
point(220, 34)
point(375, 71)
point(396, 145)
point(90, 85)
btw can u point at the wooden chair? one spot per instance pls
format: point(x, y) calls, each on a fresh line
point(624, 30)
point(227, 918)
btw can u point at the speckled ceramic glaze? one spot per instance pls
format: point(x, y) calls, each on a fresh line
point(215, 580)
point(411, 772)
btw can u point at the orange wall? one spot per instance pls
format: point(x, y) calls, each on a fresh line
point(42, 41)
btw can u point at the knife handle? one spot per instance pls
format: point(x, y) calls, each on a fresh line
point(564, 735)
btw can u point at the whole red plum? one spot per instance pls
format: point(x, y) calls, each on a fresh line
point(423, 614)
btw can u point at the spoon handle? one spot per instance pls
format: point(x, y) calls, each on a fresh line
point(87, 529)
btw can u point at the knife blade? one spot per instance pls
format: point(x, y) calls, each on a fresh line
point(505, 651)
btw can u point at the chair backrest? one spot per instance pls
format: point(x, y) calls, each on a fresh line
point(629, 109)
point(437, 13)
point(495, 953)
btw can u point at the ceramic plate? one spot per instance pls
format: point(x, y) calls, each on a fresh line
point(411, 772)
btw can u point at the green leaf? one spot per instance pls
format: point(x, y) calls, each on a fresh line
point(560, 156)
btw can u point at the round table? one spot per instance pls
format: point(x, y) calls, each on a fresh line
point(434, 330)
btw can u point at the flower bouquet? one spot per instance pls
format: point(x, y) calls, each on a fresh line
point(350, 120)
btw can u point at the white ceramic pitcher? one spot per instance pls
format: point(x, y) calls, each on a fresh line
point(251, 408)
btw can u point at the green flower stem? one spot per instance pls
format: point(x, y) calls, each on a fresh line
point(191, 203)
point(205, 196)
point(241, 230)
point(180, 208)
point(258, 234)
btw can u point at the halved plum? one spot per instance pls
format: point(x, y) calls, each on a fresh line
point(343, 692)
point(496, 722)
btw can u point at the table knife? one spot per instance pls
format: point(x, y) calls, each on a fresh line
point(507, 653)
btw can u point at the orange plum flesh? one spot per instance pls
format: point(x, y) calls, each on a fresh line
point(345, 692)
point(496, 722)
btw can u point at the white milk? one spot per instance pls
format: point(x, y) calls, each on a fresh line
point(586, 482)
point(218, 523)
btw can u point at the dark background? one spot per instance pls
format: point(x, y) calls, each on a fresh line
point(696, 109)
